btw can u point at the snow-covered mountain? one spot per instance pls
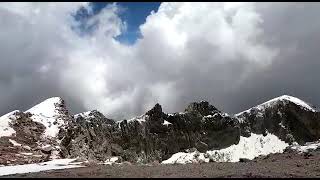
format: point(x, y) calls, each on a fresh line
point(32, 136)
point(289, 118)
point(285, 99)
point(271, 127)
point(52, 113)
point(47, 131)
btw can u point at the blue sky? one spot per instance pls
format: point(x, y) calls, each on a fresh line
point(133, 13)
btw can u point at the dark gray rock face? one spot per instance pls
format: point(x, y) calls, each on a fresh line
point(204, 108)
point(27, 131)
point(154, 136)
point(89, 136)
point(26, 139)
point(287, 120)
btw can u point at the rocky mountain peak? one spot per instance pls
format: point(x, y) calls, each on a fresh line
point(52, 113)
point(51, 107)
point(203, 107)
point(288, 117)
point(93, 116)
point(155, 112)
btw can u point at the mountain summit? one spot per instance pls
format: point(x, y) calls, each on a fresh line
point(284, 99)
point(52, 113)
point(290, 118)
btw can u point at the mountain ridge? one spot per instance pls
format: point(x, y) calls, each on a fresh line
point(156, 135)
point(280, 99)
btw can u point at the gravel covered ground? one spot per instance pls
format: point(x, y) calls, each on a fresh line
point(276, 165)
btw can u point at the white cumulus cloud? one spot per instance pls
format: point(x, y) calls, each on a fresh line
point(187, 52)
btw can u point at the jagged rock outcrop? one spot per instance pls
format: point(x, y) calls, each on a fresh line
point(203, 107)
point(89, 135)
point(156, 135)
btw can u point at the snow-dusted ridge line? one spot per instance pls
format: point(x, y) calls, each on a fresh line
point(46, 108)
point(83, 114)
point(282, 98)
point(140, 119)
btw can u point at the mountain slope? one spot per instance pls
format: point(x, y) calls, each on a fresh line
point(89, 136)
point(271, 127)
point(289, 118)
point(5, 120)
point(52, 113)
point(248, 148)
point(33, 135)
point(281, 99)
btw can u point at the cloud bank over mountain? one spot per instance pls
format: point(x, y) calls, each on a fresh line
point(234, 55)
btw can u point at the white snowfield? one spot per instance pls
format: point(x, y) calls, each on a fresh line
point(111, 160)
point(5, 129)
point(47, 113)
point(85, 115)
point(28, 168)
point(305, 148)
point(248, 147)
point(284, 98)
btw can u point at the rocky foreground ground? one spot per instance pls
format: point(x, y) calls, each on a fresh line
point(290, 164)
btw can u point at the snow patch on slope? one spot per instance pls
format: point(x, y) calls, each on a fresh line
point(47, 108)
point(48, 113)
point(5, 129)
point(166, 123)
point(140, 119)
point(84, 114)
point(28, 168)
point(111, 160)
point(14, 143)
point(248, 147)
point(186, 158)
point(305, 148)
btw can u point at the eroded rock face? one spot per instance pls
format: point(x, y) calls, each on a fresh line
point(160, 135)
point(89, 136)
point(23, 146)
point(203, 107)
point(27, 131)
point(154, 136)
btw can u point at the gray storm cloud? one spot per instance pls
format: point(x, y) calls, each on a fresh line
point(235, 55)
